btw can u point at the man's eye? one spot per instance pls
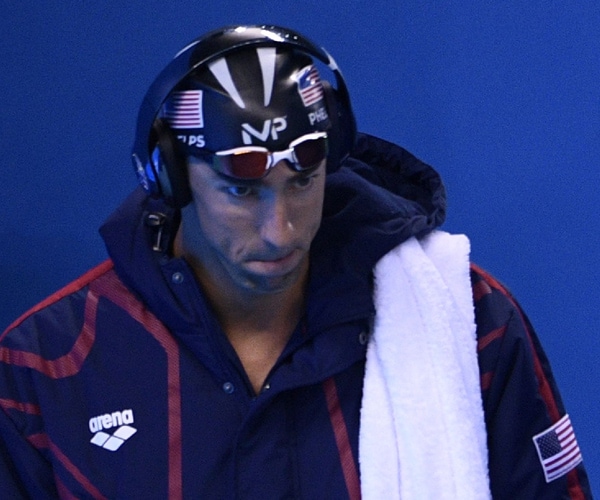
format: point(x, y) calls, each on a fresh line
point(239, 191)
point(303, 182)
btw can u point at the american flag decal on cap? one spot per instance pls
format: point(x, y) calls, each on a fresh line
point(558, 449)
point(184, 109)
point(309, 86)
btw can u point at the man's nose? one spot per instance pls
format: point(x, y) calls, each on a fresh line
point(277, 221)
point(277, 227)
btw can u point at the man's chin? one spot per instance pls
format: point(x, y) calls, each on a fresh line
point(275, 275)
point(272, 284)
point(273, 268)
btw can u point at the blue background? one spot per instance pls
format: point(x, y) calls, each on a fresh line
point(503, 98)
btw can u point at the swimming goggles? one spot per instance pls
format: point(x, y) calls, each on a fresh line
point(253, 162)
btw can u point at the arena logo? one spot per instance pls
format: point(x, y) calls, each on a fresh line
point(112, 441)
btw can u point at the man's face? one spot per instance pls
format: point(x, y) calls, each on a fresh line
point(252, 236)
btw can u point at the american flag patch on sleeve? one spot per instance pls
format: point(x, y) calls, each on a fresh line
point(558, 449)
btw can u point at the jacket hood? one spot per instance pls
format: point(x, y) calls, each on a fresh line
point(381, 196)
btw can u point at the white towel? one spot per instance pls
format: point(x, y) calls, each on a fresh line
point(422, 432)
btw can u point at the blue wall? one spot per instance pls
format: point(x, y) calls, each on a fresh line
point(501, 97)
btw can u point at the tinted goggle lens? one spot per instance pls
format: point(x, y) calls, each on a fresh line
point(253, 162)
point(246, 165)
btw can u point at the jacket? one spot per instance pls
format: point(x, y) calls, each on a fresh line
point(122, 384)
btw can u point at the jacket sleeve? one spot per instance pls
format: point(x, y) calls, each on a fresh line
point(24, 472)
point(25, 467)
point(521, 402)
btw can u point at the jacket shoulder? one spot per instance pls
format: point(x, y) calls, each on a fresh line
point(53, 310)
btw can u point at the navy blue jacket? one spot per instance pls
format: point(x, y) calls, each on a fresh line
point(122, 385)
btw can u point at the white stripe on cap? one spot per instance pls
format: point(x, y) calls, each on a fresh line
point(220, 69)
point(267, 59)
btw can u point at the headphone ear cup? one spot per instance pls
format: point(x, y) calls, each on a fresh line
point(342, 135)
point(169, 166)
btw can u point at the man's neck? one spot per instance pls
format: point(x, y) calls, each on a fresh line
point(240, 312)
point(259, 328)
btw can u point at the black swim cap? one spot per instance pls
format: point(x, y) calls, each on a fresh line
point(265, 96)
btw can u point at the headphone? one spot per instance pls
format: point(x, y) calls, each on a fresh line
point(161, 169)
